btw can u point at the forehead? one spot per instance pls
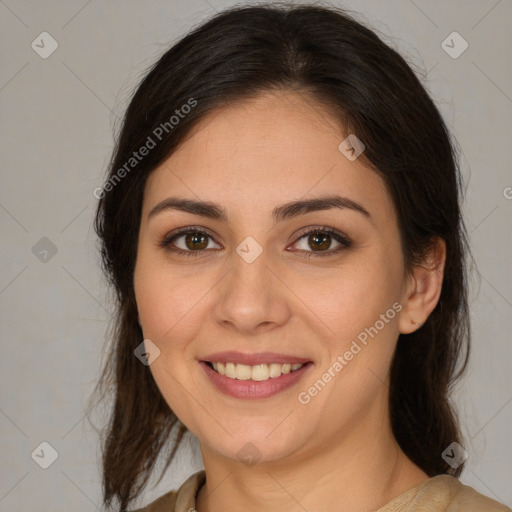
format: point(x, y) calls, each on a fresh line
point(261, 152)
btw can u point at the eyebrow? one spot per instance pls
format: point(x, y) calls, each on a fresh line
point(279, 214)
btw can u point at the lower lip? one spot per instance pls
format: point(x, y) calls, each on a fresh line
point(252, 389)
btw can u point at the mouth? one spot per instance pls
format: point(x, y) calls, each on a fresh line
point(258, 372)
point(254, 381)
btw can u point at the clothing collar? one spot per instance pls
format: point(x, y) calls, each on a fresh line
point(187, 493)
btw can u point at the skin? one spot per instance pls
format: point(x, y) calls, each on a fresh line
point(339, 448)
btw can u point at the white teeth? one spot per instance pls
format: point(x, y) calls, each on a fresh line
point(231, 370)
point(259, 372)
point(275, 370)
point(243, 372)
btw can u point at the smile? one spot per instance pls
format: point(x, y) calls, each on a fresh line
point(259, 372)
point(257, 381)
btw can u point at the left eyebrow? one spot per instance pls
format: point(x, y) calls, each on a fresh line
point(279, 214)
point(296, 208)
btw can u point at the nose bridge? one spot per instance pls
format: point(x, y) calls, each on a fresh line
point(250, 268)
point(250, 294)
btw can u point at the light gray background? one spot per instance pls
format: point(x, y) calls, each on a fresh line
point(57, 119)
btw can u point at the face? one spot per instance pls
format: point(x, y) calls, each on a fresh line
point(321, 287)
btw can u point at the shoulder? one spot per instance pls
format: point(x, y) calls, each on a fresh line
point(467, 498)
point(445, 493)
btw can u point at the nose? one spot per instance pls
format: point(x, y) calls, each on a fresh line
point(251, 299)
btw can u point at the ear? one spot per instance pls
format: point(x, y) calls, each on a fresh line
point(423, 288)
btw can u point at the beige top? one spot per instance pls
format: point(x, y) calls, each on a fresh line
point(442, 493)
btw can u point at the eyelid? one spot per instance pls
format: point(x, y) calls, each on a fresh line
point(169, 237)
point(344, 241)
point(323, 229)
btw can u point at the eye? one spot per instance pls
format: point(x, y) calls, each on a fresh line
point(320, 239)
point(195, 241)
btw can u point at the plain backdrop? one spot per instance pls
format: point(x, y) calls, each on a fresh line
point(57, 119)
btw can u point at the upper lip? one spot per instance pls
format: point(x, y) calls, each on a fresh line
point(253, 359)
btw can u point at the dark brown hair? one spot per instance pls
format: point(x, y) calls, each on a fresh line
point(339, 64)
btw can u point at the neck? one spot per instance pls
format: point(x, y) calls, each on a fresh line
point(363, 471)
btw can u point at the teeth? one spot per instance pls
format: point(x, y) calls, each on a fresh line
point(275, 370)
point(242, 371)
point(259, 372)
point(230, 370)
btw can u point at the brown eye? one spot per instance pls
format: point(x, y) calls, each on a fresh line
point(196, 241)
point(318, 241)
point(190, 241)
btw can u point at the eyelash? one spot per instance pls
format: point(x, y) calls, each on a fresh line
point(342, 239)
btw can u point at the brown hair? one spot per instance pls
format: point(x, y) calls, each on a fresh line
point(337, 62)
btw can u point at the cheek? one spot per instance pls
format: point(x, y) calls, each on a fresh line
point(173, 303)
point(165, 303)
point(358, 310)
point(352, 297)
point(164, 297)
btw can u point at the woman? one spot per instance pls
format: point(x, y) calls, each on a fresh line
point(281, 223)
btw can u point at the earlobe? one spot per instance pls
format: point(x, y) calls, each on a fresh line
point(426, 284)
